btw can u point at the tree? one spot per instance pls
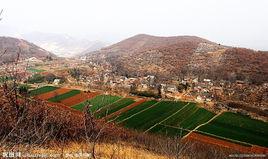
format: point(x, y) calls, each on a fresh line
point(75, 73)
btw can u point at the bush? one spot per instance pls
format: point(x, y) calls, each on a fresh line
point(146, 94)
point(36, 78)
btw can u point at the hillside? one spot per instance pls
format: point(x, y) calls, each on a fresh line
point(179, 56)
point(13, 46)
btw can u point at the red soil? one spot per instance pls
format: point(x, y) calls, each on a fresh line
point(226, 144)
point(51, 94)
point(78, 98)
point(126, 108)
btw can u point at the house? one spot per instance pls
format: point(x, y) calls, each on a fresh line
point(56, 81)
point(171, 88)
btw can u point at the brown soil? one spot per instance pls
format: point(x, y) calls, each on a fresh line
point(78, 98)
point(226, 144)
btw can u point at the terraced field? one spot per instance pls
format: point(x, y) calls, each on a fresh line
point(238, 128)
point(109, 109)
point(63, 96)
point(98, 102)
point(42, 90)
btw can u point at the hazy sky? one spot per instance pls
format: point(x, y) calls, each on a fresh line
point(230, 22)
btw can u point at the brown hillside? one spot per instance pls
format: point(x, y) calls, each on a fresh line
point(13, 46)
point(173, 57)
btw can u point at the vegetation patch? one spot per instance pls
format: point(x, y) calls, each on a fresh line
point(36, 78)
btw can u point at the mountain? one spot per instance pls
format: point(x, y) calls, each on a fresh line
point(10, 47)
point(180, 56)
point(62, 45)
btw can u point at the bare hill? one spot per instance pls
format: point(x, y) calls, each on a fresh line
point(12, 46)
point(179, 56)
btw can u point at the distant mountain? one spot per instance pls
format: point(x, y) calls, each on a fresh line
point(179, 56)
point(62, 45)
point(13, 46)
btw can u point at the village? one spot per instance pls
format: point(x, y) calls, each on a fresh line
point(100, 77)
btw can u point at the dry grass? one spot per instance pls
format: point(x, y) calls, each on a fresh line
point(82, 150)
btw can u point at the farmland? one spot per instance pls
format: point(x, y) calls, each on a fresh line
point(169, 118)
point(239, 128)
point(114, 107)
point(135, 110)
point(42, 90)
point(149, 117)
point(78, 98)
point(98, 102)
point(189, 117)
point(66, 95)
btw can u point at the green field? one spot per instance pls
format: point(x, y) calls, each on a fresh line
point(169, 130)
point(107, 110)
point(189, 117)
point(134, 110)
point(61, 97)
point(42, 90)
point(97, 102)
point(81, 105)
point(238, 127)
point(35, 70)
point(152, 116)
point(186, 119)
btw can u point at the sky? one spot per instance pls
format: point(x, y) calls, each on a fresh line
point(242, 23)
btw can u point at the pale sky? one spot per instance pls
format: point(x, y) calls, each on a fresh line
point(231, 22)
